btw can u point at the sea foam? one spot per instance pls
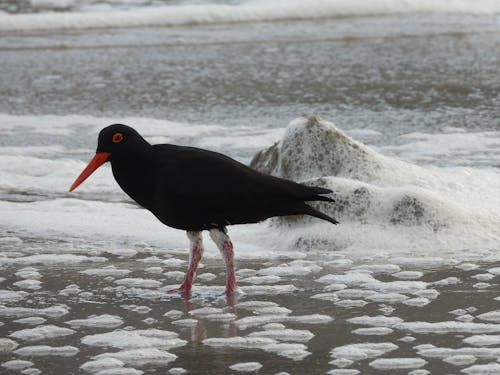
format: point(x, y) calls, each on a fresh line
point(245, 12)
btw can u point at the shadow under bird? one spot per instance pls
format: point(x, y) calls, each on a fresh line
point(194, 190)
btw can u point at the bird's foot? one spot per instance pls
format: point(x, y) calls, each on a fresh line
point(232, 290)
point(184, 289)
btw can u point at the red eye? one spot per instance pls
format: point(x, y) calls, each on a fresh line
point(117, 137)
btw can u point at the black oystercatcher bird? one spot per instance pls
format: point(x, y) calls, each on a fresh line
point(194, 190)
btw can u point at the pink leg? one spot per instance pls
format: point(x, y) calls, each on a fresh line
point(225, 246)
point(195, 255)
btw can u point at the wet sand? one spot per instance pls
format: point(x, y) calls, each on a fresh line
point(98, 295)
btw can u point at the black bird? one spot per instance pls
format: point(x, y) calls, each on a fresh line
point(194, 190)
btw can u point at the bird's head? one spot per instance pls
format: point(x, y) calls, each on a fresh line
point(115, 142)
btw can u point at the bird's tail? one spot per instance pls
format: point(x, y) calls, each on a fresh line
point(315, 193)
point(308, 210)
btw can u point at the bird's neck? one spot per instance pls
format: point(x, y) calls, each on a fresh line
point(135, 173)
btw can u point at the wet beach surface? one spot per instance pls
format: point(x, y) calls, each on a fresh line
point(423, 89)
point(327, 291)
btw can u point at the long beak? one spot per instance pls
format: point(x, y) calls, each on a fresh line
point(99, 159)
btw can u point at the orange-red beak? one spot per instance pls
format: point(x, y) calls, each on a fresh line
point(99, 159)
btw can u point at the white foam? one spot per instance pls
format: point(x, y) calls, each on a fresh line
point(45, 350)
point(268, 289)
point(271, 279)
point(357, 352)
point(176, 275)
point(32, 321)
point(251, 305)
point(482, 340)
point(244, 12)
point(177, 371)
point(101, 364)
point(19, 312)
point(31, 371)
point(289, 270)
point(28, 273)
point(373, 331)
point(352, 278)
point(490, 368)
point(378, 268)
point(10, 296)
point(42, 333)
point(50, 259)
point(106, 271)
point(376, 321)
point(140, 357)
point(185, 322)
point(134, 339)
point(17, 364)
point(29, 284)
point(353, 293)
point(417, 302)
point(138, 283)
point(292, 351)
point(460, 360)
point(491, 316)
point(246, 366)
point(448, 327)
point(483, 276)
point(447, 281)
point(343, 372)
point(419, 372)
point(351, 303)
point(121, 371)
point(387, 297)
point(7, 345)
point(173, 314)
point(270, 310)
point(97, 321)
point(408, 275)
point(397, 363)
point(239, 342)
point(207, 276)
point(495, 271)
point(296, 335)
point(467, 266)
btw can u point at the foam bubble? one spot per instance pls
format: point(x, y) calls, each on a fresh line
point(105, 271)
point(246, 367)
point(19, 312)
point(45, 350)
point(460, 360)
point(97, 321)
point(397, 363)
point(17, 364)
point(7, 345)
point(490, 368)
point(134, 339)
point(219, 13)
point(373, 331)
point(448, 327)
point(140, 357)
point(42, 333)
point(10, 296)
point(101, 364)
point(482, 340)
point(285, 334)
point(356, 352)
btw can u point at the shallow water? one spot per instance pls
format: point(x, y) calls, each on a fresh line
point(418, 88)
point(99, 295)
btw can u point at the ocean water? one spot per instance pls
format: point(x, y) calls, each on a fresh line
point(413, 84)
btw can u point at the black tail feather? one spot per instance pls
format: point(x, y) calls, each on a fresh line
point(308, 210)
point(319, 198)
